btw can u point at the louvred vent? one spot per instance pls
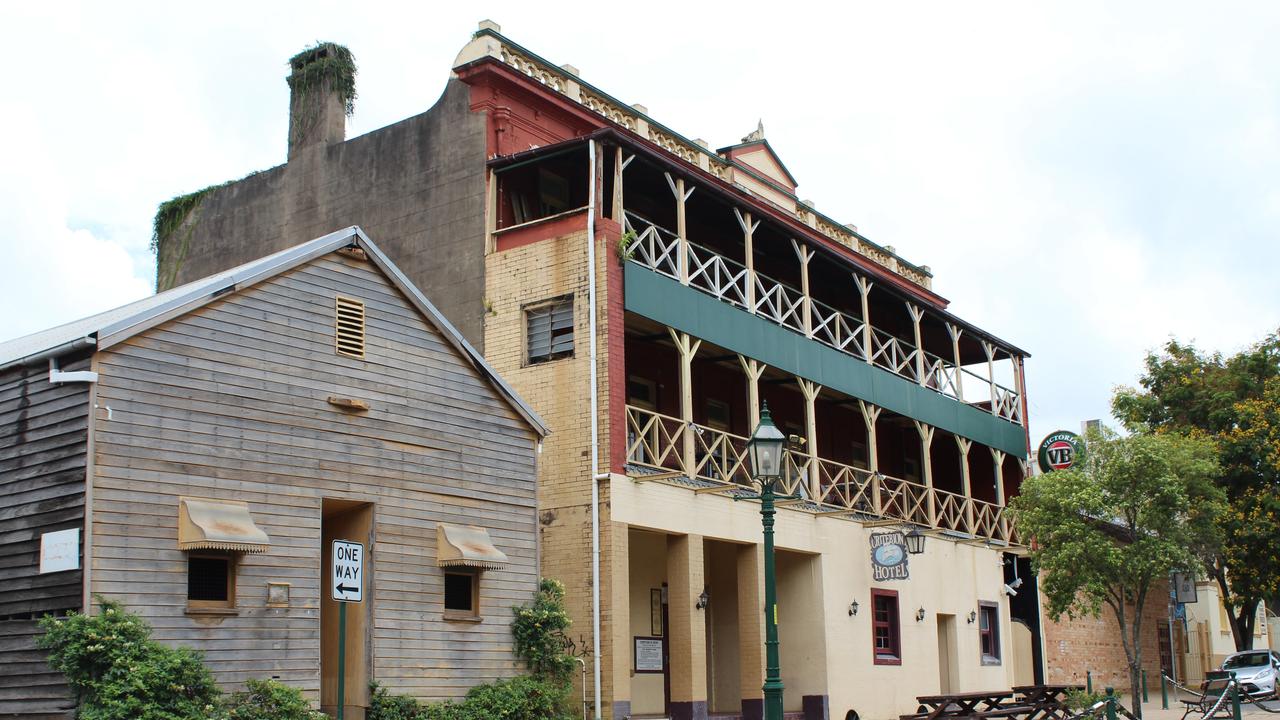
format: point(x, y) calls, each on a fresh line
point(349, 323)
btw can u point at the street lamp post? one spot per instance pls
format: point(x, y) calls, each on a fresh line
point(765, 453)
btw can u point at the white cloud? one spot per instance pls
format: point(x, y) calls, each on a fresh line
point(1085, 180)
point(54, 272)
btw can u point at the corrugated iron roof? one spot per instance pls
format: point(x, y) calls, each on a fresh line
point(113, 326)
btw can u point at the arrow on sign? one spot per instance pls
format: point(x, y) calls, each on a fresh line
point(346, 589)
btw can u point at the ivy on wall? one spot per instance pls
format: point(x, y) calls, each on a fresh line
point(325, 67)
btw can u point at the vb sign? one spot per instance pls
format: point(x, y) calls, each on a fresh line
point(347, 581)
point(1061, 450)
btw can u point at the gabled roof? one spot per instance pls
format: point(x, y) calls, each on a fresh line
point(733, 151)
point(113, 326)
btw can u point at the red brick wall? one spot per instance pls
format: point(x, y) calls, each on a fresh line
point(1073, 647)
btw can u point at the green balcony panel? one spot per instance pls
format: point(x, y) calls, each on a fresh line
point(666, 301)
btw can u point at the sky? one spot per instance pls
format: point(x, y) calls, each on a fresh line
point(1086, 179)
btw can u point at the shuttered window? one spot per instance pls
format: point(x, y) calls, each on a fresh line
point(549, 330)
point(349, 327)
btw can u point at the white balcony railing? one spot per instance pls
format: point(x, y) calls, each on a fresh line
point(663, 445)
point(726, 280)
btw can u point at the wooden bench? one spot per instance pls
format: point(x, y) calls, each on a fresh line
point(1211, 691)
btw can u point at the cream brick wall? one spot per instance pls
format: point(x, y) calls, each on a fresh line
point(558, 391)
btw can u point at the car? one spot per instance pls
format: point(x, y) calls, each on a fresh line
point(1255, 669)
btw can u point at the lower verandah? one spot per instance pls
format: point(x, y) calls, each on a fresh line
point(691, 406)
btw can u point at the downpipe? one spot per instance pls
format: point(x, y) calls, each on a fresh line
point(595, 430)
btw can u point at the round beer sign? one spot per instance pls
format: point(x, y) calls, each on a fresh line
point(1061, 450)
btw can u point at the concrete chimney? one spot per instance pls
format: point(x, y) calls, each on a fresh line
point(321, 93)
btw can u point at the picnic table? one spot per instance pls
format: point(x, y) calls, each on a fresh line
point(1024, 702)
point(982, 703)
point(1048, 702)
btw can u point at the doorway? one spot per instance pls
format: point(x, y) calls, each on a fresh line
point(948, 661)
point(345, 520)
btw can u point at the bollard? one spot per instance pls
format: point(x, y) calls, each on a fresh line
point(1164, 693)
point(1144, 685)
point(1111, 704)
point(1088, 681)
point(1235, 698)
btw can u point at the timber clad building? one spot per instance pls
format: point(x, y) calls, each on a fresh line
point(646, 294)
point(194, 454)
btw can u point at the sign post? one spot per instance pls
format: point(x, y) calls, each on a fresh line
point(347, 584)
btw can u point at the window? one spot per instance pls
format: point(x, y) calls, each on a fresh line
point(989, 632)
point(643, 393)
point(461, 595)
point(349, 327)
point(718, 414)
point(887, 643)
point(549, 330)
point(211, 582)
point(861, 458)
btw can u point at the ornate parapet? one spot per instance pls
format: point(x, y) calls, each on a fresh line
point(487, 42)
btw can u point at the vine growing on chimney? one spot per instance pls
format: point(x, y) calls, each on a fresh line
point(325, 66)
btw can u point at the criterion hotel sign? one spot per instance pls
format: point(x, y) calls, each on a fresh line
point(888, 556)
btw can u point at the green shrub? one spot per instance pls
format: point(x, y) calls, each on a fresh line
point(1078, 700)
point(385, 706)
point(270, 700)
point(538, 630)
point(521, 698)
point(119, 673)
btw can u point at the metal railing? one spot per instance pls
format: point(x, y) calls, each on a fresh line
point(658, 249)
point(665, 446)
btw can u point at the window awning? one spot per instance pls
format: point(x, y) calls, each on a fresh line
point(218, 525)
point(467, 546)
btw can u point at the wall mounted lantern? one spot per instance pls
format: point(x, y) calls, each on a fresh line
point(853, 608)
point(972, 616)
point(920, 614)
point(914, 540)
point(703, 599)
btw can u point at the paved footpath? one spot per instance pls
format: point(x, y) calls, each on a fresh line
point(1152, 711)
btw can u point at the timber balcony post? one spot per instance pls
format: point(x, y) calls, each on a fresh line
point(619, 165)
point(810, 391)
point(871, 413)
point(864, 289)
point(753, 369)
point(748, 243)
point(964, 444)
point(997, 457)
point(955, 332)
point(805, 254)
point(678, 189)
point(990, 350)
point(687, 347)
point(916, 315)
point(926, 469)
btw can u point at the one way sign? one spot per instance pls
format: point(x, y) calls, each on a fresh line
point(348, 571)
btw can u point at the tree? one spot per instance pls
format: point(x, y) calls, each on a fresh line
point(1104, 534)
point(1236, 402)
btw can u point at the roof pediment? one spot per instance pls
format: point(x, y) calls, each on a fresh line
point(759, 155)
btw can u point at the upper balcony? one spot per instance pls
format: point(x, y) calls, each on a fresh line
point(660, 250)
point(661, 447)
